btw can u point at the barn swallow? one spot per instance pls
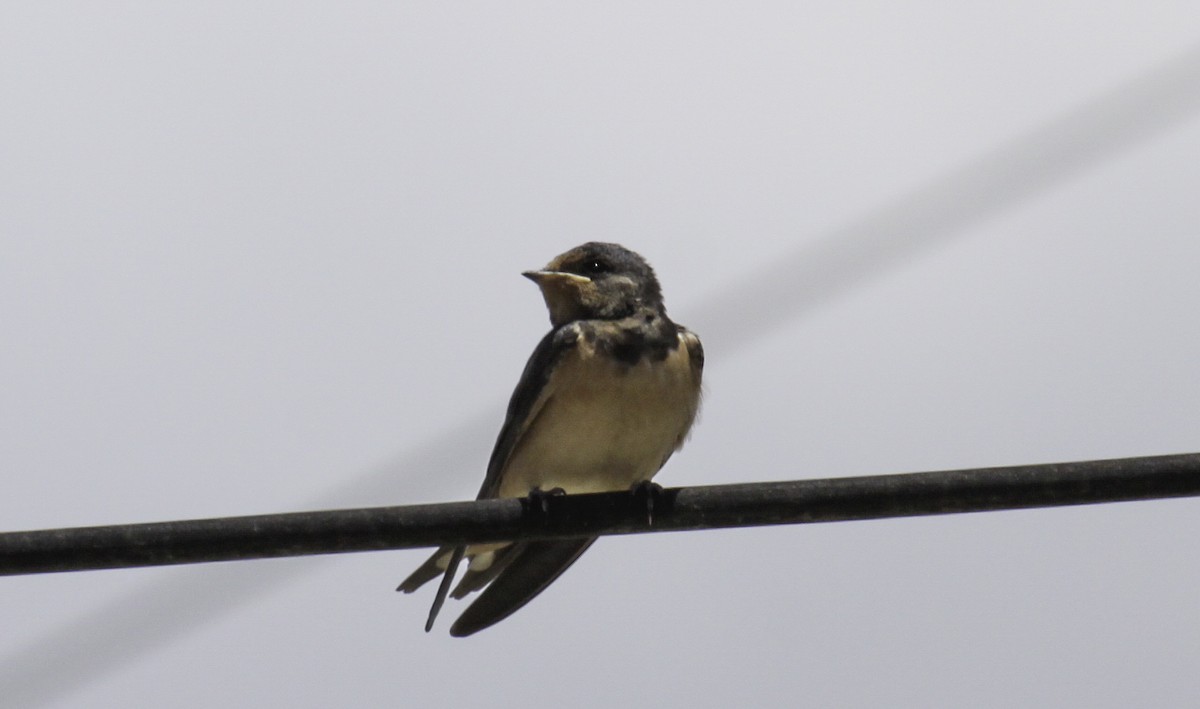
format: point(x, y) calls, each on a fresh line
point(607, 396)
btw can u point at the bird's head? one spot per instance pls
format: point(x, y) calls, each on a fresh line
point(597, 281)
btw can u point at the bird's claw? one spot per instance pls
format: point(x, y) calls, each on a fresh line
point(645, 495)
point(539, 500)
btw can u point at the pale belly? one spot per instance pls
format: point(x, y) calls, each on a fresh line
point(605, 426)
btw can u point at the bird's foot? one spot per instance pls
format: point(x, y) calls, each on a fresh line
point(646, 495)
point(539, 500)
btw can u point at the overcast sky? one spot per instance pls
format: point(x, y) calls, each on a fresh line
point(265, 257)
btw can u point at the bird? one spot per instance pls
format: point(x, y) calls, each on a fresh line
point(608, 395)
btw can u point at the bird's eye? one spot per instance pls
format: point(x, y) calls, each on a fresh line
point(594, 266)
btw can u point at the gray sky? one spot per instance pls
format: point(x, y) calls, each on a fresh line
point(262, 258)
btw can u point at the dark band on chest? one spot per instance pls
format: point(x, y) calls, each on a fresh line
point(629, 341)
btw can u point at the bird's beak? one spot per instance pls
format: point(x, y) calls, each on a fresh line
point(563, 292)
point(556, 279)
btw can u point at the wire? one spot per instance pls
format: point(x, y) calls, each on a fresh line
point(569, 516)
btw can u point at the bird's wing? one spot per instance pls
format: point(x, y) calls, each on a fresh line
point(695, 352)
point(531, 569)
point(528, 398)
point(532, 392)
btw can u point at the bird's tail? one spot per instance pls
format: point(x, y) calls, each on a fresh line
point(431, 569)
point(427, 571)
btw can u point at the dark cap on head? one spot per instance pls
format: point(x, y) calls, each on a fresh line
point(597, 281)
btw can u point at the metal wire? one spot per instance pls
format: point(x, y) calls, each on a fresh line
point(677, 509)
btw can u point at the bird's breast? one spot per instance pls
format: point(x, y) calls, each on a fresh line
point(604, 424)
